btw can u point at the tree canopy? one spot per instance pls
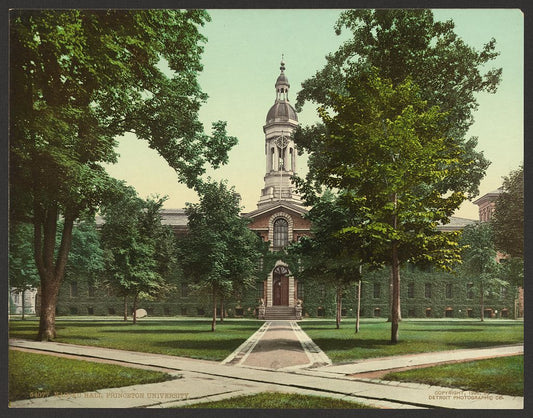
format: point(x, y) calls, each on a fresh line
point(508, 217)
point(78, 79)
point(139, 249)
point(395, 102)
point(219, 253)
point(324, 256)
point(479, 261)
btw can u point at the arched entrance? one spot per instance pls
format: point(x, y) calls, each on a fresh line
point(280, 286)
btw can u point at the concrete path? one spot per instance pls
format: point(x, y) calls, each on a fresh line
point(203, 381)
point(278, 345)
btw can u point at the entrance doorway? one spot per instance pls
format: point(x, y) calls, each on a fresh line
point(280, 284)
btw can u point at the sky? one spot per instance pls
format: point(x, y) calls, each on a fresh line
point(241, 64)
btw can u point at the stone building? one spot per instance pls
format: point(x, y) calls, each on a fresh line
point(280, 219)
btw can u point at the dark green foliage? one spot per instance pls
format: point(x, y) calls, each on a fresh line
point(276, 400)
point(324, 257)
point(392, 134)
point(23, 274)
point(37, 375)
point(80, 78)
point(504, 375)
point(508, 218)
point(140, 252)
point(86, 257)
point(405, 43)
point(508, 225)
point(219, 254)
point(480, 265)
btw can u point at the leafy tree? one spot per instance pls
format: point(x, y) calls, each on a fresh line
point(396, 101)
point(324, 256)
point(508, 218)
point(79, 79)
point(140, 252)
point(23, 275)
point(219, 253)
point(382, 146)
point(86, 257)
point(479, 260)
point(404, 43)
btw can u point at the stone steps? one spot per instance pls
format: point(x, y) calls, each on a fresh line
point(273, 313)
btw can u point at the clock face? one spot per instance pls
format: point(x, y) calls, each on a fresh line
point(281, 141)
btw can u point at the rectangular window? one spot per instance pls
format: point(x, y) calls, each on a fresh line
point(449, 292)
point(74, 289)
point(377, 290)
point(90, 311)
point(470, 291)
point(503, 292)
point(411, 313)
point(428, 290)
point(411, 290)
point(300, 291)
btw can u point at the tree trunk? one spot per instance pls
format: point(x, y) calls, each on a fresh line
point(23, 304)
point(135, 308)
point(125, 307)
point(221, 309)
point(339, 308)
point(391, 293)
point(358, 311)
point(51, 273)
point(47, 326)
point(214, 321)
point(395, 276)
point(482, 300)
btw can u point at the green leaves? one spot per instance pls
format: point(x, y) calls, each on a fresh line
point(508, 217)
point(219, 253)
point(140, 250)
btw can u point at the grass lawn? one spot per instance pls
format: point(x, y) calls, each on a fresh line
point(415, 336)
point(276, 400)
point(179, 337)
point(38, 375)
point(502, 375)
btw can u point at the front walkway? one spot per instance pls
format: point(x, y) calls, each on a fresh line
point(259, 372)
point(278, 345)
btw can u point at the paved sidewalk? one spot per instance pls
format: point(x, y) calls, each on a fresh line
point(206, 380)
point(413, 360)
point(278, 345)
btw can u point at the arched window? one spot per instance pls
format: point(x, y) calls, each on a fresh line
point(281, 232)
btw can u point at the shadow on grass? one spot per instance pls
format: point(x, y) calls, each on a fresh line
point(344, 344)
point(228, 345)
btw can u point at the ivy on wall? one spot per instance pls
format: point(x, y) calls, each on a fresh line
point(447, 295)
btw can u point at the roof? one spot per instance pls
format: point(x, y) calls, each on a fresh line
point(281, 111)
point(490, 197)
point(456, 224)
point(177, 218)
point(274, 206)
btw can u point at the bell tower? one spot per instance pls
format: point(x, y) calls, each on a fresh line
point(280, 150)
